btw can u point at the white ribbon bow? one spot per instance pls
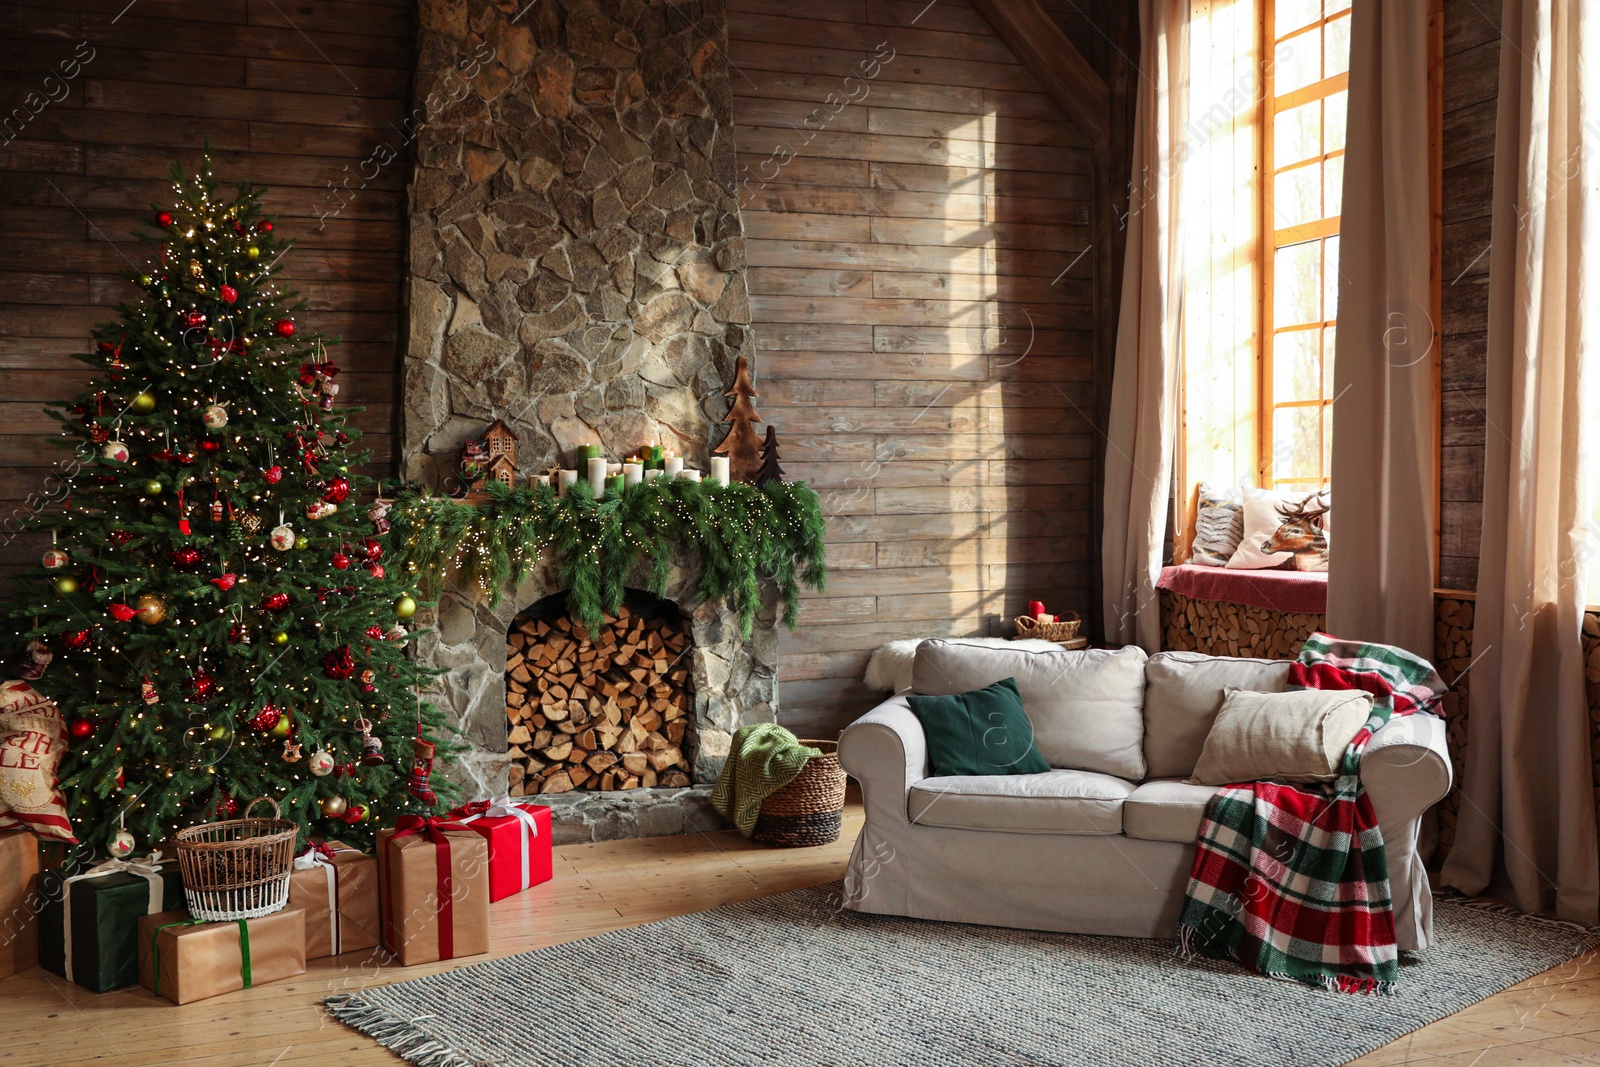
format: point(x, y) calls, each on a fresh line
point(148, 868)
point(502, 806)
point(310, 860)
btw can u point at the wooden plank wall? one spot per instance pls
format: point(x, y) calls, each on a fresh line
point(290, 94)
point(921, 302)
point(1471, 69)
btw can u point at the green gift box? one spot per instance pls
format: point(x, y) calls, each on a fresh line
point(97, 944)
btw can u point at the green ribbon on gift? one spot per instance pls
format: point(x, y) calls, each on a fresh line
point(155, 949)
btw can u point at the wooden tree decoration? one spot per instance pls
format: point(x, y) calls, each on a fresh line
point(741, 445)
point(770, 471)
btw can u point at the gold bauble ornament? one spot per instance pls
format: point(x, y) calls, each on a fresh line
point(142, 403)
point(405, 607)
point(151, 609)
point(218, 732)
point(280, 638)
point(334, 806)
point(67, 584)
point(253, 252)
point(152, 488)
point(195, 269)
point(280, 729)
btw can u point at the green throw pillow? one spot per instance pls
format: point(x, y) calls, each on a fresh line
point(981, 732)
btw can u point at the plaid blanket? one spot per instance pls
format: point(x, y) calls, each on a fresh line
point(1291, 880)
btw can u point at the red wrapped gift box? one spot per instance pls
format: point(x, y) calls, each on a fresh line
point(519, 842)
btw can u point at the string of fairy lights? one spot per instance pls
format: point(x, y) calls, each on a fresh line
point(164, 595)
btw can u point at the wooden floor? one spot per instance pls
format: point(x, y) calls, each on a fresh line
point(1553, 1019)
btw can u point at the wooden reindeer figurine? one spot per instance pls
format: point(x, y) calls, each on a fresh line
point(1301, 533)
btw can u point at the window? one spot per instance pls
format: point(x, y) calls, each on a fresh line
point(1302, 140)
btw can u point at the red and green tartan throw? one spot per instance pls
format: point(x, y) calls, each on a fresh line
point(1291, 880)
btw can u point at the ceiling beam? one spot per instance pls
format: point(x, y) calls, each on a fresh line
point(1059, 68)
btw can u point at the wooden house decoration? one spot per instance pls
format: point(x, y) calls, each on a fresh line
point(491, 458)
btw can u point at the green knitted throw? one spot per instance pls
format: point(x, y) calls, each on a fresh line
point(763, 758)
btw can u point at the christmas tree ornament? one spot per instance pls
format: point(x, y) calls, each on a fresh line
point(265, 719)
point(151, 609)
point(119, 538)
point(187, 558)
point(202, 686)
point(196, 270)
point(320, 509)
point(208, 446)
point(275, 602)
point(216, 510)
point(238, 634)
point(340, 561)
point(145, 280)
point(283, 328)
point(280, 638)
point(65, 584)
point(354, 813)
point(217, 732)
point(291, 751)
point(337, 490)
point(375, 632)
point(378, 515)
point(282, 727)
point(340, 663)
point(253, 252)
point(405, 607)
point(215, 416)
point(228, 293)
point(163, 218)
point(122, 845)
point(334, 806)
point(54, 558)
point(371, 747)
point(225, 582)
point(396, 634)
point(147, 691)
point(263, 226)
point(152, 488)
point(373, 548)
point(250, 522)
point(122, 612)
point(418, 783)
point(374, 569)
point(77, 640)
point(320, 763)
point(329, 390)
point(194, 320)
point(36, 659)
point(273, 474)
point(142, 403)
point(368, 681)
point(115, 451)
point(80, 728)
point(282, 538)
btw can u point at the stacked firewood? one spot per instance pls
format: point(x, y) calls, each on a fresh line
point(604, 710)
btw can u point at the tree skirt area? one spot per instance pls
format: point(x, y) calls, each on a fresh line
point(793, 979)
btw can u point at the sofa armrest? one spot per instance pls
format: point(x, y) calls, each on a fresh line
point(887, 752)
point(1406, 768)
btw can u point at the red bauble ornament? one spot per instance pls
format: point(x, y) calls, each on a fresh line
point(263, 226)
point(354, 813)
point(340, 561)
point(187, 558)
point(81, 728)
point(225, 582)
point(229, 294)
point(209, 445)
point(237, 633)
point(194, 320)
point(373, 547)
point(202, 685)
point(265, 719)
point(163, 218)
point(228, 808)
point(340, 663)
point(273, 475)
point(122, 612)
point(275, 602)
point(337, 490)
point(284, 328)
point(374, 569)
point(77, 641)
point(375, 632)
point(119, 537)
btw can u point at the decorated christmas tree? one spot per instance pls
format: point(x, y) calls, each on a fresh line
point(215, 599)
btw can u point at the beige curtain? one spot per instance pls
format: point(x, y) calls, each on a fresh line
point(1140, 436)
point(1380, 568)
point(1526, 828)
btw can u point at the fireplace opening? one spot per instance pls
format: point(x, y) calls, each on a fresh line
point(607, 710)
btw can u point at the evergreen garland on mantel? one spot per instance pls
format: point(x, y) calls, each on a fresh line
point(744, 534)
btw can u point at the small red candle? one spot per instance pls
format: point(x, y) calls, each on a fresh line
point(1035, 608)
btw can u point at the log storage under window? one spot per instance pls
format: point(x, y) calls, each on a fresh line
point(606, 710)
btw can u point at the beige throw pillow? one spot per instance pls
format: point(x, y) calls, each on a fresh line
point(1298, 736)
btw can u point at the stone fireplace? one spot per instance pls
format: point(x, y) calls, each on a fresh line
point(577, 271)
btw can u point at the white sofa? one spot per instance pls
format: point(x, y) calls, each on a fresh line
point(1103, 844)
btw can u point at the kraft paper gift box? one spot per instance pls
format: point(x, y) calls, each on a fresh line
point(433, 877)
point(337, 887)
point(520, 854)
point(88, 922)
point(19, 902)
point(184, 959)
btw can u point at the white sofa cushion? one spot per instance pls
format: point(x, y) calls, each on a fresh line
point(1165, 809)
point(1085, 706)
point(1183, 692)
point(1300, 736)
point(1055, 802)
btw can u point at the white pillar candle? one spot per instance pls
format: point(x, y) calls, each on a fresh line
point(597, 477)
point(674, 465)
point(568, 480)
point(632, 474)
point(719, 470)
point(652, 474)
point(689, 475)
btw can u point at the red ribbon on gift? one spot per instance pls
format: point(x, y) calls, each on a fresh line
point(434, 830)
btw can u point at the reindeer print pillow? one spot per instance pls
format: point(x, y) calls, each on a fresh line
point(1287, 530)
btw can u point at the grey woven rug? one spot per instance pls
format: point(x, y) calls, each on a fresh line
point(792, 980)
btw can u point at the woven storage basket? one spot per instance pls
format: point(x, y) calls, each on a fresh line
point(237, 868)
point(1062, 629)
point(809, 810)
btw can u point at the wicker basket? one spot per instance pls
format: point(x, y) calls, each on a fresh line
point(1062, 629)
point(809, 810)
point(237, 868)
